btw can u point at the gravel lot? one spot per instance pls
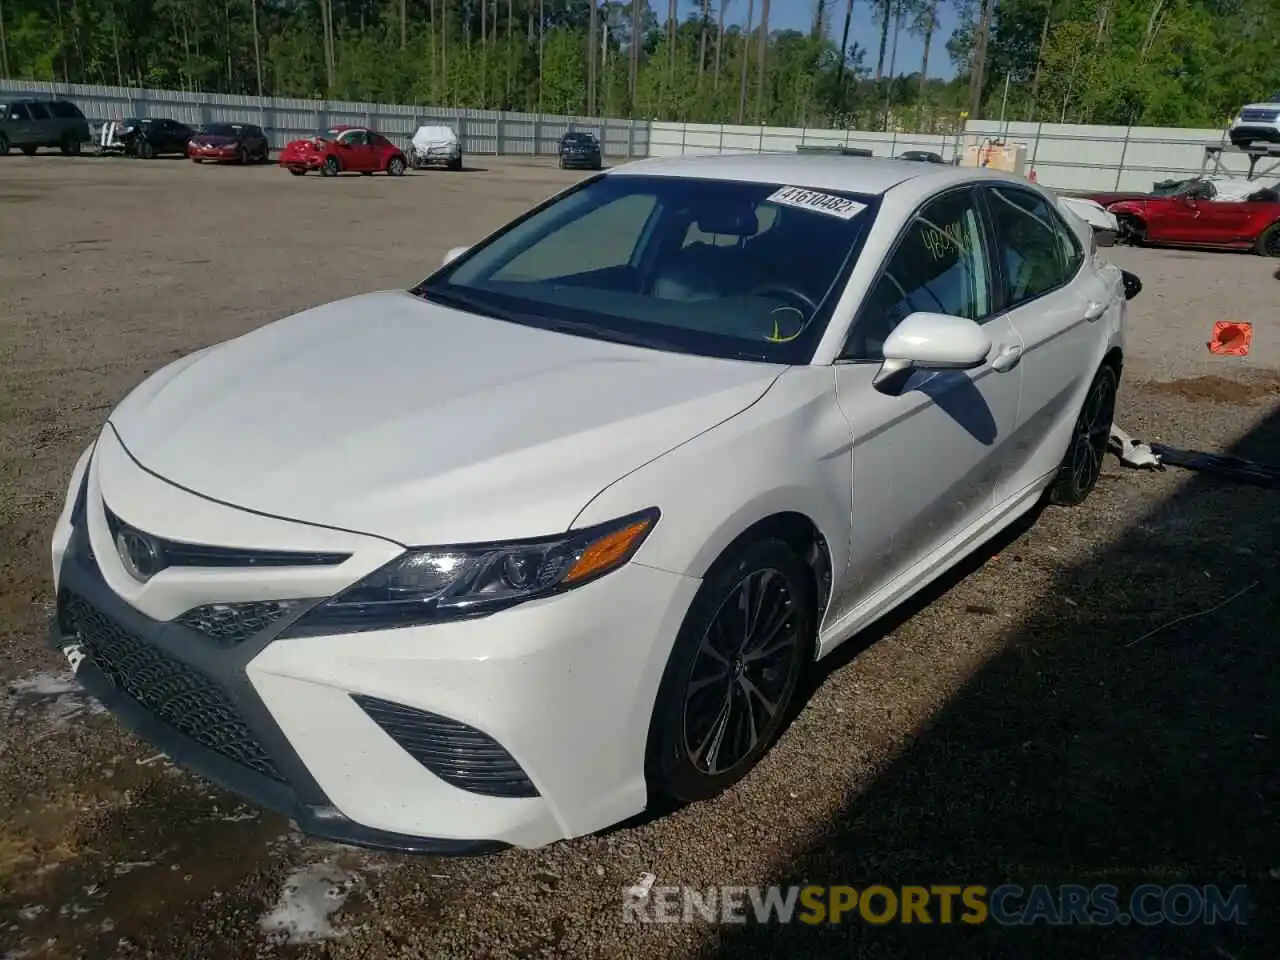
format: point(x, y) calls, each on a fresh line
point(1006, 728)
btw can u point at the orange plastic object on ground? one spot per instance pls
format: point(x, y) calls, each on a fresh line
point(1231, 339)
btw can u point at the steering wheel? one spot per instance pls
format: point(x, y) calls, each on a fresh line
point(793, 300)
point(787, 292)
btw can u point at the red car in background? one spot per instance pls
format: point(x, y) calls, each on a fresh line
point(230, 143)
point(1198, 218)
point(344, 150)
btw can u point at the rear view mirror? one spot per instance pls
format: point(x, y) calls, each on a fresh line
point(1132, 284)
point(931, 341)
point(453, 255)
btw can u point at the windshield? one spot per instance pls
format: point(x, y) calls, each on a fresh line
point(719, 268)
point(222, 130)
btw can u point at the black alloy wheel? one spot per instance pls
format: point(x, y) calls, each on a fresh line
point(1082, 465)
point(733, 672)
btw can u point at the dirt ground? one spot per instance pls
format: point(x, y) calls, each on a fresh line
point(1020, 724)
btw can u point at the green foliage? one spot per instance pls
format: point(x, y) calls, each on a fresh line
point(1189, 63)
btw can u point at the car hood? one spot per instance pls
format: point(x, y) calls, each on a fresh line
point(388, 415)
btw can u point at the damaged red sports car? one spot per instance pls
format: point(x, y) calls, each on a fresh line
point(344, 150)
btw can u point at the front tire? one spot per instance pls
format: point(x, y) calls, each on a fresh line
point(28, 151)
point(298, 173)
point(1268, 243)
point(70, 145)
point(146, 151)
point(4, 145)
point(733, 672)
point(331, 167)
point(1082, 464)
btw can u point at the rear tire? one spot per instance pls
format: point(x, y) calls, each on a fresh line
point(28, 151)
point(298, 173)
point(1132, 229)
point(455, 163)
point(1082, 464)
point(395, 167)
point(748, 639)
point(70, 145)
point(4, 145)
point(1268, 243)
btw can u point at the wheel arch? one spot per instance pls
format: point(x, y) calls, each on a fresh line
point(803, 535)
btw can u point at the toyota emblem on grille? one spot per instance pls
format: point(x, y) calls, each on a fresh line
point(140, 554)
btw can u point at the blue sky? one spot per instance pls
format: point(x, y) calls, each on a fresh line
point(798, 15)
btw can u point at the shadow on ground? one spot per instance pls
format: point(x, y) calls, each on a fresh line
point(1086, 753)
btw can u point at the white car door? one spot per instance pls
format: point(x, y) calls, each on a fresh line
point(1059, 306)
point(926, 460)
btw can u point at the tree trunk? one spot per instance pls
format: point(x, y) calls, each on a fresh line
point(844, 53)
point(702, 41)
point(1035, 77)
point(4, 45)
point(719, 39)
point(673, 25)
point(511, 23)
point(930, 24)
point(742, 85)
point(404, 23)
point(977, 75)
point(257, 45)
point(885, 7)
point(637, 37)
point(593, 29)
point(764, 53)
point(893, 62)
point(484, 54)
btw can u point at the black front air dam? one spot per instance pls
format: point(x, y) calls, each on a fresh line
point(181, 670)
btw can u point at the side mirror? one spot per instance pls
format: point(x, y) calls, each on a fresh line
point(1132, 284)
point(931, 341)
point(453, 255)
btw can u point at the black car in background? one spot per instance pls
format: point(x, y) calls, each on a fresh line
point(153, 137)
point(580, 150)
point(230, 143)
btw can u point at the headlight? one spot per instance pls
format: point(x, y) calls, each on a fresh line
point(436, 584)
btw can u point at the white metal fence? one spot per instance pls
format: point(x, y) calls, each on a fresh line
point(1064, 156)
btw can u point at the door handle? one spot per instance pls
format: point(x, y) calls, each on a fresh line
point(1095, 311)
point(1007, 358)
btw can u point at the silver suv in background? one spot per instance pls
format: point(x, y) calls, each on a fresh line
point(30, 124)
point(1257, 123)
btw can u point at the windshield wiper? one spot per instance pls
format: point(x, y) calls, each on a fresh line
point(596, 332)
point(462, 301)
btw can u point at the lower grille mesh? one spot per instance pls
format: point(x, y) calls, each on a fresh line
point(179, 695)
point(459, 755)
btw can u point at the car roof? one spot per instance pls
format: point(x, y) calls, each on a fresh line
point(867, 175)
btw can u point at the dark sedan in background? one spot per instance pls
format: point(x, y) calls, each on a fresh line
point(152, 137)
point(579, 150)
point(230, 143)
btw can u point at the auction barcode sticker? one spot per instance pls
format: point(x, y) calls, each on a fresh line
point(827, 203)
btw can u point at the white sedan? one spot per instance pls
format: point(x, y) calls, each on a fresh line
point(502, 558)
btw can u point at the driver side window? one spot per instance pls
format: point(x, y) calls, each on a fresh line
point(353, 138)
point(939, 266)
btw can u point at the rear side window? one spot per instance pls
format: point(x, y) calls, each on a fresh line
point(1036, 249)
point(38, 112)
point(65, 111)
point(18, 111)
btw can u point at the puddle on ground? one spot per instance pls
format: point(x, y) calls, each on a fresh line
point(44, 703)
point(309, 898)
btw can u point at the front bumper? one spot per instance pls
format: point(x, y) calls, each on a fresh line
point(1256, 133)
point(580, 161)
point(308, 161)
point(564, 686)
point(221, 154)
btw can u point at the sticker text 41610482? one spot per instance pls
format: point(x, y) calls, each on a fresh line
point(828, 203)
